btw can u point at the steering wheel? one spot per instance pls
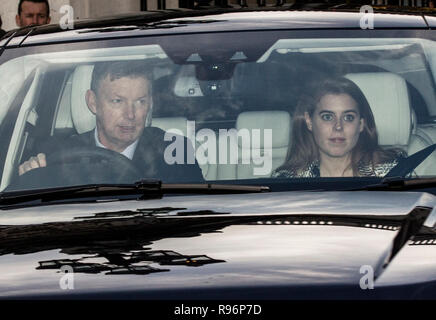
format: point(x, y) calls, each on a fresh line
point(80, 165)
point(96, 165)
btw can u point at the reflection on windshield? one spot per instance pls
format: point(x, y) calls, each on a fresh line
point(286, 108)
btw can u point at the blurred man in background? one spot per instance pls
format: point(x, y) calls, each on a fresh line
point(32, 12)
point(2, 32)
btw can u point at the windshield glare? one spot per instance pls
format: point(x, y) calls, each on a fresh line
point(288, 108)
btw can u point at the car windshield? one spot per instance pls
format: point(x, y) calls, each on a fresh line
point(234, 106)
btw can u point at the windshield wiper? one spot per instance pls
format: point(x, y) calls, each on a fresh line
point(141, 190)
point(400, 184)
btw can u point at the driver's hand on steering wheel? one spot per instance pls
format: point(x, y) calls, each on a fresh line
point(33, 163)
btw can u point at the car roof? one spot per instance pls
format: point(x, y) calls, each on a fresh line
point(211, 20)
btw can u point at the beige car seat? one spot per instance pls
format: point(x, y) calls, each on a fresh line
point(251, 161)
point(388, 97)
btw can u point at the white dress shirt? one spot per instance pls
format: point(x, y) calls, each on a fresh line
point(128, 152)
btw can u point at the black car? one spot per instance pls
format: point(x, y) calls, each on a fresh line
point(249, 203)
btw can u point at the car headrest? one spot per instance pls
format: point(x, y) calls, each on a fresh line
point(388, 97)
point(278, 121)
point(83, 118)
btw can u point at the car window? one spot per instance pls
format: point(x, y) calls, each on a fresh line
point(293, 105)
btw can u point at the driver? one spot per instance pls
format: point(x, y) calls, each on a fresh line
point(120, 97)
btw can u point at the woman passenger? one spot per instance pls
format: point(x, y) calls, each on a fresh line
point(334, 135)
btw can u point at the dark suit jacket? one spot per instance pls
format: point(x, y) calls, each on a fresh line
point(148, 157)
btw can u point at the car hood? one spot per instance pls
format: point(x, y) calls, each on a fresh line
point(220, 246)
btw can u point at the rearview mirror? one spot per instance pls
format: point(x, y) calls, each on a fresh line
point(214, 71)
